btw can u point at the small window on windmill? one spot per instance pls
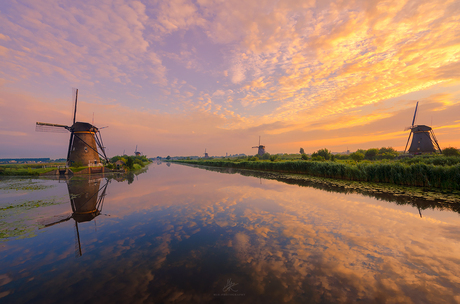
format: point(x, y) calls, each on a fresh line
point(73, 149)
point(86, 149)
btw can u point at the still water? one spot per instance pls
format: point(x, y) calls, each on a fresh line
point(180, 234)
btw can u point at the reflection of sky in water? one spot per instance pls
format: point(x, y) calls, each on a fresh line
point(180, 233)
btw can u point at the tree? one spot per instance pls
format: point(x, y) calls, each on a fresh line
point(451, 151)
point(302, 151)
point(168, 157)
point(130, 162)
point(357, 156)
point(325, 153)
point(273, 157)
point(304, 156)
point(371, 154)
point(266, 155)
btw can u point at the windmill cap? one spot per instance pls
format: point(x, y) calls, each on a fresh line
point(421, 128)
point(83, 126)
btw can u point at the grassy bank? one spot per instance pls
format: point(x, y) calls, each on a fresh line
point(27, 169)
point(418, 174)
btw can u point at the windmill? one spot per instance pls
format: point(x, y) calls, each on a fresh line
point(205, 154)
point(423, 138)
point(137, 153)
point(84, 139)
point(86, 201)
point(261, 148)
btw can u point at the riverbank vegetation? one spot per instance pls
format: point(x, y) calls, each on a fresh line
point(128, 162)
point(374, 165)
point(27, 169)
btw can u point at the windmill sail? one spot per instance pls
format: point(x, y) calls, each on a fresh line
point(49, 127)
point(74, 99)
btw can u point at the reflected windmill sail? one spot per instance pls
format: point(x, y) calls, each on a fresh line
point(86, 200)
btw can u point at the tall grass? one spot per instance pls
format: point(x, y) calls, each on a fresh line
point(399, 173)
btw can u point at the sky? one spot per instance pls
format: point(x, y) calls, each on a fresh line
point(178, 77)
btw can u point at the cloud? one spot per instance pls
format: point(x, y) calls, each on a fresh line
point(299, 65)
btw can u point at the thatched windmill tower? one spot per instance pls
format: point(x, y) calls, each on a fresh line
point(205, 154)
point(423, 138)
point(84, 139)
point(261, 148)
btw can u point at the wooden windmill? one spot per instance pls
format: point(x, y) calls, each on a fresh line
point(423, 138)
point(85, 139)
point(137, 153)
point(205, 154)
point(261, 148)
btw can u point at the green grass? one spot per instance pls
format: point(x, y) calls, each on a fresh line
point(77, 169)
point(26, 169)
point(419, 174)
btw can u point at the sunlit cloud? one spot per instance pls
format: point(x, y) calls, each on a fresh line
point(297, 65)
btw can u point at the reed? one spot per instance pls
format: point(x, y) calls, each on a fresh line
point(400, 173)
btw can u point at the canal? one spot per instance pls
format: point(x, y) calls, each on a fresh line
point(182, 234)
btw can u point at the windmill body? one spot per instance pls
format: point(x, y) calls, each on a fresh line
point(423, 138)
point(206, 155)
point(83, 147)
point(85, 140)
point(260, 148)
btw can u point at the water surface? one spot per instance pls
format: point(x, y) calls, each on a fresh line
point(182, 234)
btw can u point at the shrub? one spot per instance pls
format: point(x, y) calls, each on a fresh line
point(371, 154)
point(265, 156)
point(451, 151)
point(317, 157)
point(304, 156)
point(130, 162)
point(325, 153)
point(357, 156)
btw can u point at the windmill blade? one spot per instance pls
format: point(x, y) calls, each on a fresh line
point(49, 127)
point(415, 114)
point(74, 100)
point(405, 149)
point(407, 128)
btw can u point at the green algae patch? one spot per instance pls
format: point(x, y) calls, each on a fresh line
point(24, 185)
point(17, 222)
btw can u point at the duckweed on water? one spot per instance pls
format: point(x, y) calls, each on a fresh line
point(24, 185)
point(15, 222)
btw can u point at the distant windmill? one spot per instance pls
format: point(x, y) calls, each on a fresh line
point(423, 138)
point(84, 139)
point(261, 148)
point(137, 153)
point(205, 154)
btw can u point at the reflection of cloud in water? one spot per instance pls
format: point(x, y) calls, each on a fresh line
point(182, 238)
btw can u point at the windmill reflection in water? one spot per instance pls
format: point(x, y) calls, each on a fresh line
point(86, 201)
